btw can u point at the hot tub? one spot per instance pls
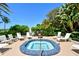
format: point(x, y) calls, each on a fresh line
point(40, 47)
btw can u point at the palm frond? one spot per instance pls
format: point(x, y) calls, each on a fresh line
point(5, 19)
point(4, 7)
point(4, 4)
point(4, 11)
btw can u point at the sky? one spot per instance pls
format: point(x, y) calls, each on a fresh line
point(29, 14)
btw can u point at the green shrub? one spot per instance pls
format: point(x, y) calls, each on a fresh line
point(18, 28)
point(4, 33)
point(75, 36)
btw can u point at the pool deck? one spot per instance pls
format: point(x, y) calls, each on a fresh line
point(66, 49)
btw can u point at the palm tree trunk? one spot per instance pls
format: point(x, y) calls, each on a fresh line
point(71, 26)
point(64, 27)
point(4, 27)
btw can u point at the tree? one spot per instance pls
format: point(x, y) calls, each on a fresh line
point(68, 15)
point(4, 8)
point(51, 17)
point(46, 23)
point(18, 28)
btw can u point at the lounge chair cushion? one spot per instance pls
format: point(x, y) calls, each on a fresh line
point(76, 46)
point(3, 45)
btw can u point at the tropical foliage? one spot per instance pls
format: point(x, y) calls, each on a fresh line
point(18, 28)
point(69, 17)
point(64, 18)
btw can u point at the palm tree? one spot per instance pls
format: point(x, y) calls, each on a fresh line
point(69, 14)
point(4, 8)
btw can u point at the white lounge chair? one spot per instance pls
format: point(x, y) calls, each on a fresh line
point(3, 45)
point(3, 39)
point(59, 34)
point(28, 35)
point(19, 36)
point(64, 38)
point(10, 36)
point(76, 46)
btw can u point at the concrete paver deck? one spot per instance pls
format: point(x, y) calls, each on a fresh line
point(66, 49)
